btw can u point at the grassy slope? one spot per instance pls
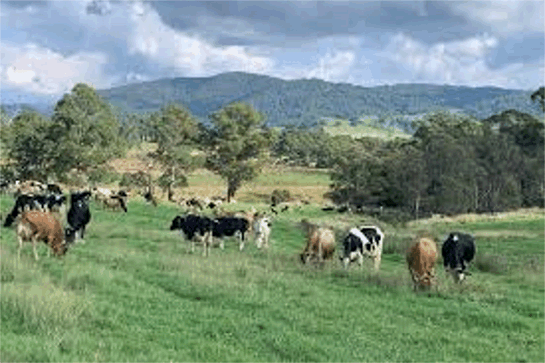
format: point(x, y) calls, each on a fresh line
point(133, 293)
point(365, 129)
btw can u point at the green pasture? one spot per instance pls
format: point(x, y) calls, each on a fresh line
point(134, 292)
point(364, 129)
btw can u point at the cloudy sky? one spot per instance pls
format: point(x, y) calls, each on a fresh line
point(47, 47)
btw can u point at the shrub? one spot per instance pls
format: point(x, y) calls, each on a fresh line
point(279, 196)
point(104, 174)
point(495, 264)
point(138, 179)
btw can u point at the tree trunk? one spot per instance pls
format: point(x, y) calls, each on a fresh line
point(417, 206)
point(231, 190)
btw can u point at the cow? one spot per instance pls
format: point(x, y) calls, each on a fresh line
point(421, 258)
point(29, 187)
point(109, 199)
point(194, 226)
point(360, 242)
point(26, 202)
point(79, 214)
point(320, 243)
point(262, 231)
point(34, 226)
point(458, 250)
point(229, 226)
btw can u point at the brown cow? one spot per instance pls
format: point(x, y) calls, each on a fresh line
point(421, 258)
point(320, 243)
point(37, 225)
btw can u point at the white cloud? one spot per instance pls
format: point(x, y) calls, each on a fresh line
point(505, 17)
point(333, 67)
point(187, 54)
point(459, 62)
point(43, 71)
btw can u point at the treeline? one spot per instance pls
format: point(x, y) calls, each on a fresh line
point(453, 163)
point(74, 145)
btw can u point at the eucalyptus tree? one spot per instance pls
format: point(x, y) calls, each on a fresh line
point(238, 143)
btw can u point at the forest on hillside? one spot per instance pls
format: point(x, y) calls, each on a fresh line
point(453, 163)
point(307, 102)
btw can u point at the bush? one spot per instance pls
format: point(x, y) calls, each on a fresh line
point(135, 180)
point(279, 196)
point(104, 174)
point(494, 264)
point(74, 178)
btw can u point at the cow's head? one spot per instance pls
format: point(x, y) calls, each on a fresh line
point(177, 223)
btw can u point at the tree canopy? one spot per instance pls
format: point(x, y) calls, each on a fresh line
point(238, 143)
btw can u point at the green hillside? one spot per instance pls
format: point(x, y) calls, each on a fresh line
point(306, 102)
point(133, 292)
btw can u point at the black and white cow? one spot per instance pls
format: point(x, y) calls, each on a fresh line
point(229, 226)
point(360, 242)
point(79, 215)
point(194, 226)
point(457, 251)
point(44, 203)
point(204, 228)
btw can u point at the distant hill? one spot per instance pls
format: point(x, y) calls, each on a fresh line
point(309, 101)
point(305, 102)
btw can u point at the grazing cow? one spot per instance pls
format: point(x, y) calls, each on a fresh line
point(148, 196)
point(26, 202)
point(457, 251)
point(111, 200)
point(37, 225)
point(421, 258)
point(363, 241)
point(320, 243)
point(79, 215)
point(262, 231)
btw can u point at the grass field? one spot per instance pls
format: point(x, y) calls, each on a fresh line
point(133, 292)
point(364, 129)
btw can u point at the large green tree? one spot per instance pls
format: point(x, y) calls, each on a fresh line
point(176, 132)
point(238, 143)
point(86, 130)
point(29, 145)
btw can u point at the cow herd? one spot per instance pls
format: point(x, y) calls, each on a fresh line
point(38, 219)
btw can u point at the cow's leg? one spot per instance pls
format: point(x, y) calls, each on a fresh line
point(19, 248)
point(377, 259)
point(34, 243)
point(241, 241)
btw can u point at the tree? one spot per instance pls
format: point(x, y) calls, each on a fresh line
point(447, 143)
point(539, 96)
point(85, 129)
point(29, 145)
point(176, 133)
point(238, 142)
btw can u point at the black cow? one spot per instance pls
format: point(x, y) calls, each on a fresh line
point(363, 241)
point(229, 226)
point(457, 251)
point(195, 226)
point(205, 228)
point(22, 203)
point(79, 215)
